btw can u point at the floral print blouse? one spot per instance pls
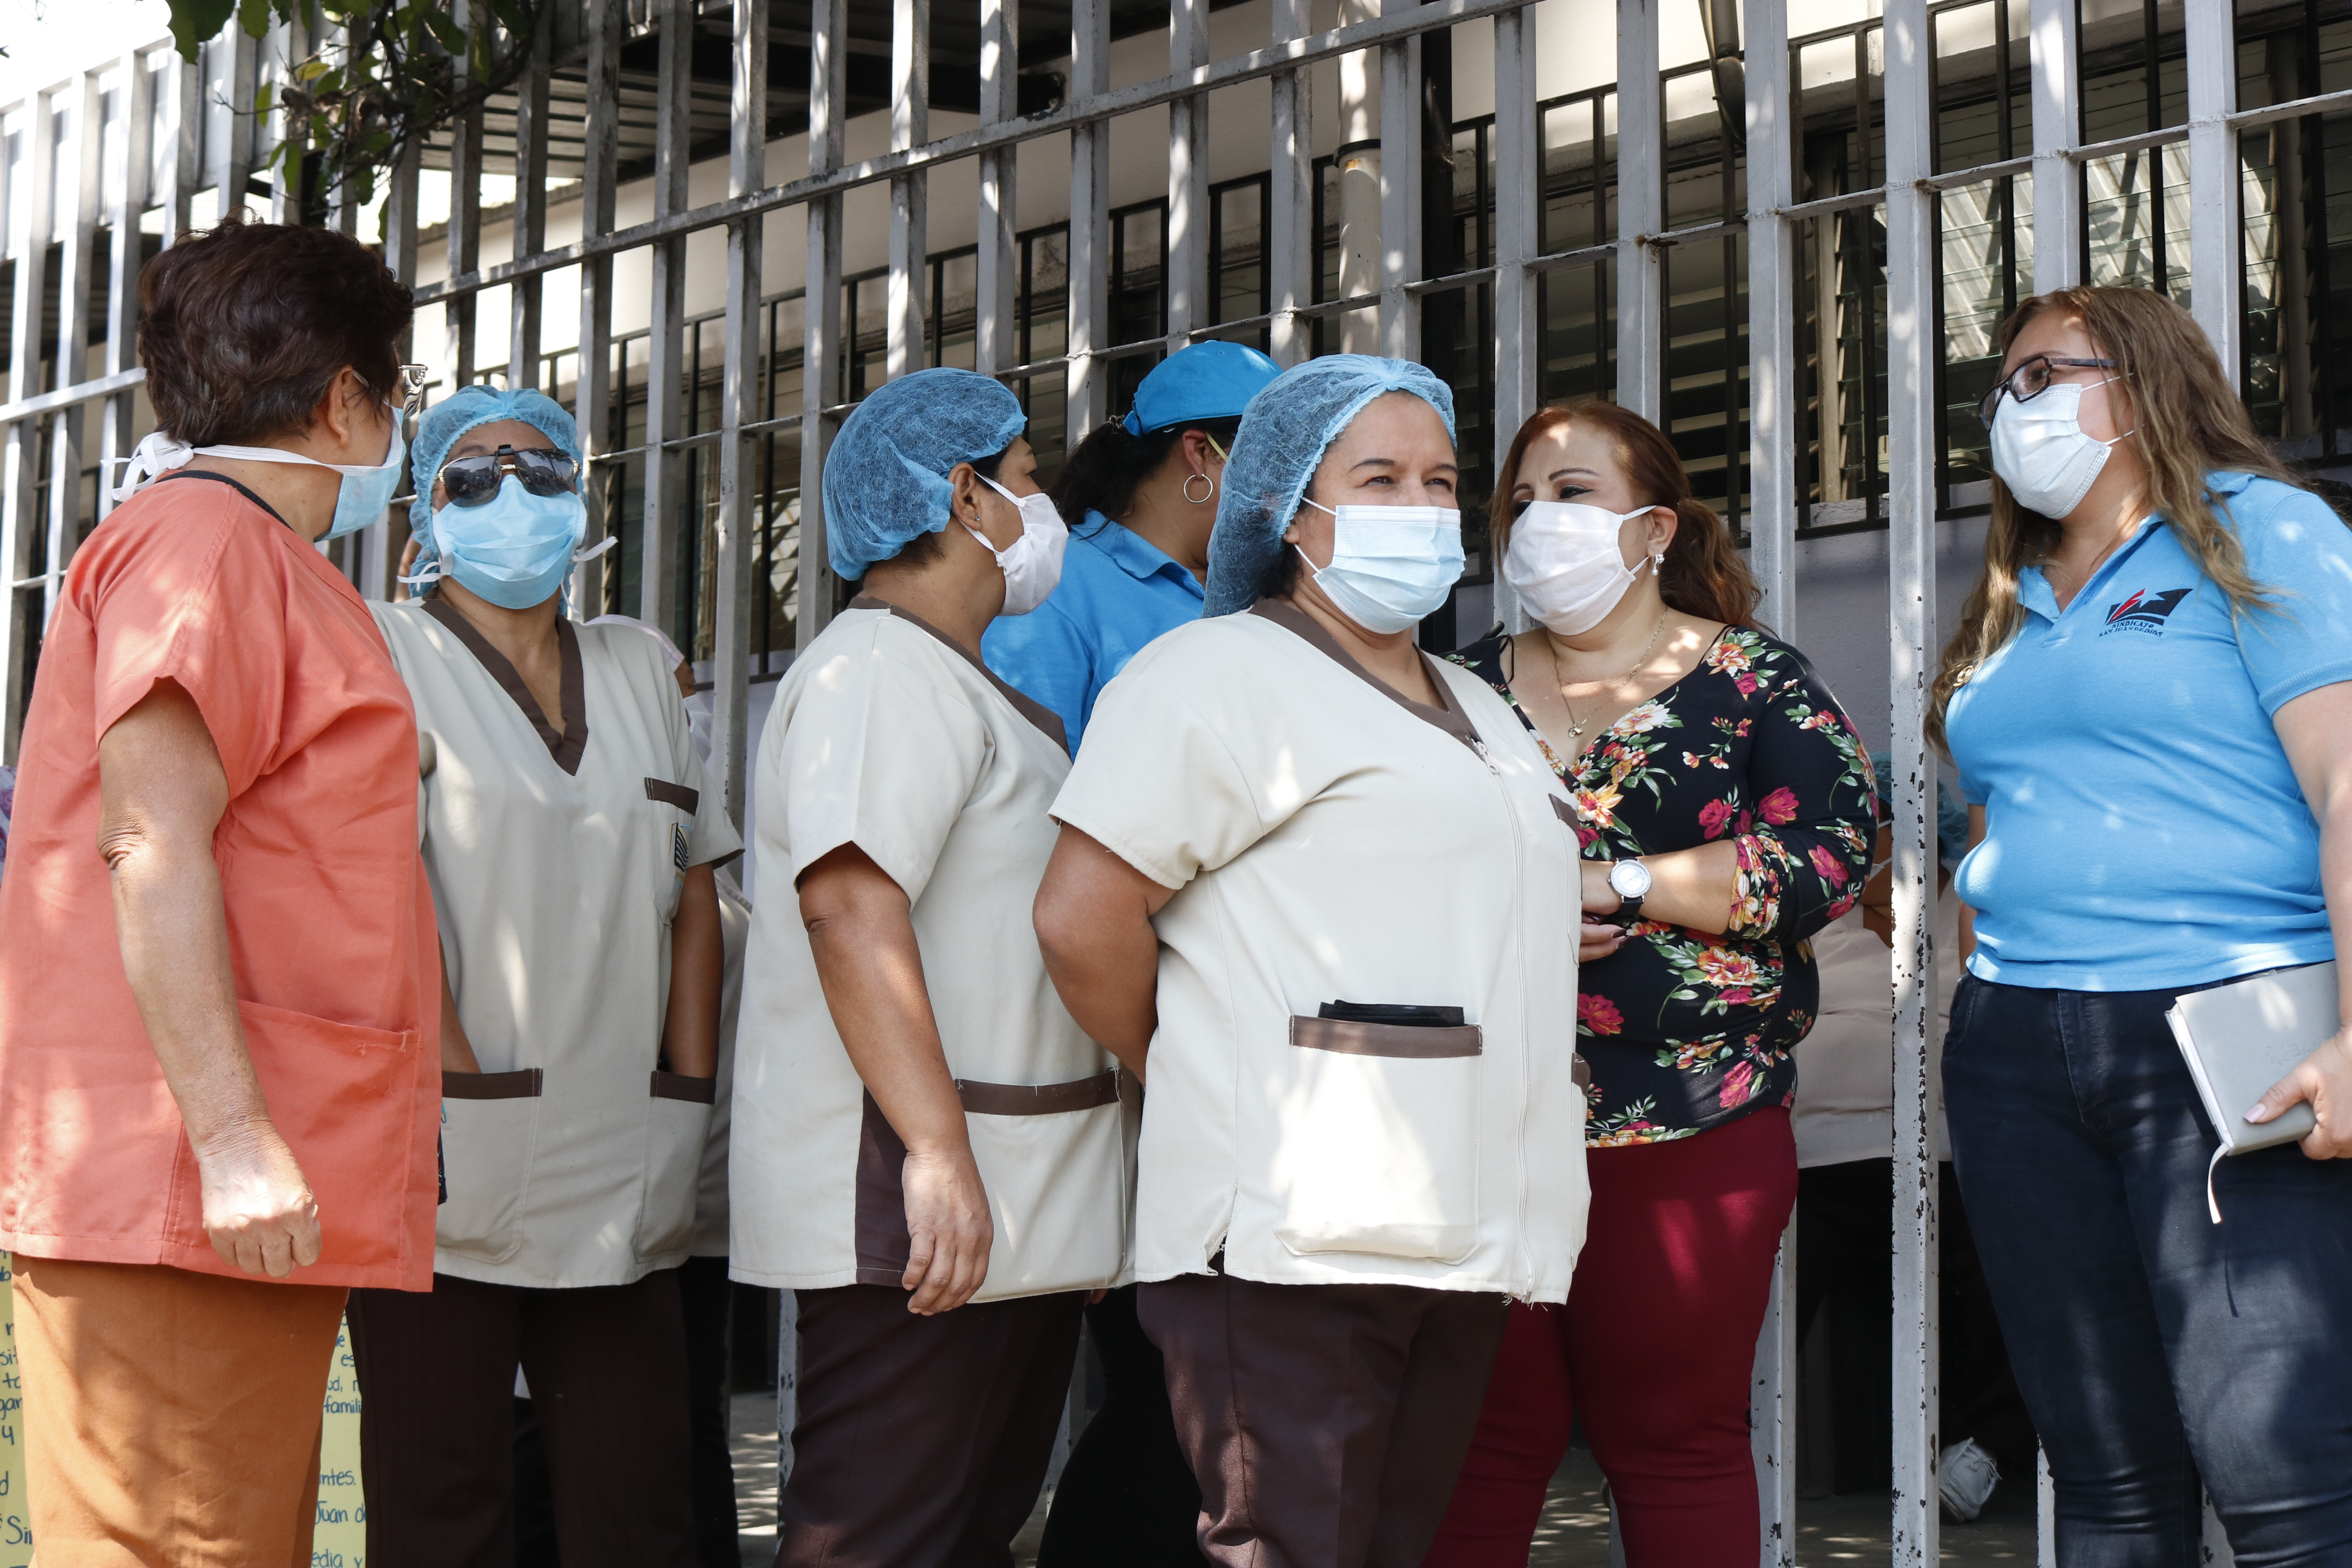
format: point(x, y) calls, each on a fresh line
point(1683, 1030)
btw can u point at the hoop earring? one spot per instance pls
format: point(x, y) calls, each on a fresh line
point(1200, 501)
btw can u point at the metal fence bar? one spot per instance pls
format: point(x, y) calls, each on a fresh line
point(592, 381)
point(19, 478)
point(1641, 208)
point(180, 111)
point(1289, 242)
point(821, 353)
point(234, 167)
point(529, 224)
point(1772, 1408)
point(1914, 352)
point(1088, 384)
point(2057, 56)
point(910, 127)
point(1773, 364)
point(285, 168)
point(2215, 194)
point(76, 259)
point(740, 506)
point(666, 374)
point(1188, 175)
point(123, 260)
point(1401, 172)
point(1518, 204)
point(994, 346)
point(462, 244)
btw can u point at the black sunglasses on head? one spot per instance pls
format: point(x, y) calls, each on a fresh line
point(2031, 380)
point(470, 481)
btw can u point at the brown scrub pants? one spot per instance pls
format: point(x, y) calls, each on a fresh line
point(607, 1372)
point(171, 1416)
point(922, 1442)
point(1325, 1423)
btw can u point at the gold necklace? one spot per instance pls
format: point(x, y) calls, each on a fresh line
point(1576, 727)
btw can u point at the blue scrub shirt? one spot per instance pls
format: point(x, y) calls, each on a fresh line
point(1117, 592)
point(2143, 829)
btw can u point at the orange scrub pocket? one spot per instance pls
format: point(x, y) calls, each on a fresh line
point(344, 1099)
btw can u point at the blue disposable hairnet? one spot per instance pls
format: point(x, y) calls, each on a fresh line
point(885, 479)
point(1284, 431)
point(1951, 816)
point(439, 427)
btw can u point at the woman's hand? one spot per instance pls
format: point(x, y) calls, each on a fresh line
point(1596, 940)
point(948, 1223)
point(2325, 1078)
point(258, 1211)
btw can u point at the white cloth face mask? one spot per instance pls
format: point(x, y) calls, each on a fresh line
point(2042, 452)
point(1032, 565)
point(365, 492)
point(1391, 565)
point(1566, 565)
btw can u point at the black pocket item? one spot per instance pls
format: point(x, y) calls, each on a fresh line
point(1404, 1015)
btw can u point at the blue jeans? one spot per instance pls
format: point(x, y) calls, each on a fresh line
point(2153, 1346)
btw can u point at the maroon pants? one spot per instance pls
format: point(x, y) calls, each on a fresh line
point(922, 1442)
point(1653, 1349)
point(607, 1372)
point(1324, 1423)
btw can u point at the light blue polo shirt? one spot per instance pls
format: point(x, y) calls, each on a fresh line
point(2142, 828)
point(1118, 592)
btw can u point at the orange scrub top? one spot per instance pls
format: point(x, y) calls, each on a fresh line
point(332, 936)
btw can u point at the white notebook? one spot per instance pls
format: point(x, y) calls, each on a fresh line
point(2240, 1038)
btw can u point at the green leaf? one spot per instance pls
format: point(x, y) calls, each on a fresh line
point(194, 21)
point(253, 16)
point(446, 33)
point(264, 99)
point(310, 70)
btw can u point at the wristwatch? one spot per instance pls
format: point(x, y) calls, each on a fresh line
point(1630, 880)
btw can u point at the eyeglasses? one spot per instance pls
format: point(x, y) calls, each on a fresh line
point(2031, 380)
point(470, 481)
point(412, 389)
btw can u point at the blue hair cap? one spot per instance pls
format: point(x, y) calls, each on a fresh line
point(1206, 381)
point(439, 427)
point(886, 479)
point(1285, 430)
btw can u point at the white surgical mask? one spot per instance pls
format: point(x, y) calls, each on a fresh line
point(1391, 565)
point(2042, 452)
point(1032, 565)
point(1565, 564)
point(366, 490)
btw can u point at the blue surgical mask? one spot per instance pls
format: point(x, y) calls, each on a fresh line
point(366, 490)
point(1391, 565)
point(515, 548)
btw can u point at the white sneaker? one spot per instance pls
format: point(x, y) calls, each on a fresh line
point(1966, 1476)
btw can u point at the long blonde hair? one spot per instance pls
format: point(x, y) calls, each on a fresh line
point(2188, 422)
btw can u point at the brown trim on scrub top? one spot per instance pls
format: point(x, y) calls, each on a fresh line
point(523, 1083)
point(567, 745)
point(1450, 718)
point(1028, 707)
point(1038, 1099)
point(1416, 1041)
point(685, 799)
point(678, 1085)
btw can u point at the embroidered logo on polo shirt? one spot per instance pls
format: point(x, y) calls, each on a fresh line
point(2144, 612)
point(678, 847)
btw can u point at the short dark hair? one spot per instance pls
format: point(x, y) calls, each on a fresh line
point(244, 326)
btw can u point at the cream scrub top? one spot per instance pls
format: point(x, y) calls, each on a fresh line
point(887, 735)
point(1335, 847)
point(557, 857)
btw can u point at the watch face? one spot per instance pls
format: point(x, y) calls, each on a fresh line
point(1630, 878)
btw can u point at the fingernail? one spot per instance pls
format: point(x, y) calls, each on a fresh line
point(2261, 1112)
